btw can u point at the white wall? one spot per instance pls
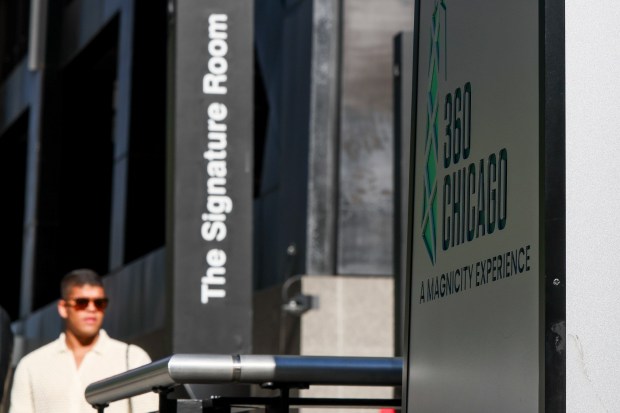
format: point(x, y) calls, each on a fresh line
point(593, 205)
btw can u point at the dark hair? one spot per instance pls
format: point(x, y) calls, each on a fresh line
point(82, 276)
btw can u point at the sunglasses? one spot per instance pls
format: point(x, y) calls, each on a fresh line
point(82, 303)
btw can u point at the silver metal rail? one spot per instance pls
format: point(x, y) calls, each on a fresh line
point(249, 369)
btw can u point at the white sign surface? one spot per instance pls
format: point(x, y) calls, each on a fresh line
point(475, 341)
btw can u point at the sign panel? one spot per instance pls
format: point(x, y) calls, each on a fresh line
point(211, 215)
point(475, 320)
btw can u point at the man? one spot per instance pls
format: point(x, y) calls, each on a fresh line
point(54, 377)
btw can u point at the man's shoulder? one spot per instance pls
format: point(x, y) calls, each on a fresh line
point(111, 342)
point(133, 355)
point(43, 353)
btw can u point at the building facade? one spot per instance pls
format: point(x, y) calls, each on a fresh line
point(88, 93)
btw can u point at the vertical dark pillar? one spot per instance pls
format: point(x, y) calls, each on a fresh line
point(144, 228)
point(210, 175)
point(553, 149)
point(403, 77)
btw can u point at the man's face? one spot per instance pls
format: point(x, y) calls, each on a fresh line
point(85, 322)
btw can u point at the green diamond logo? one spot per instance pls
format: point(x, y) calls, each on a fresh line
point(431, 154)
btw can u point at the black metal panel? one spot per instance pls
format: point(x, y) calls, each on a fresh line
point(210, 154)
point(14, 24)
point(553, 203)
point(283, 58)
point(403, 69)
point(68, 194)
point(145, 199)
point(13, 150)
point(409, 232)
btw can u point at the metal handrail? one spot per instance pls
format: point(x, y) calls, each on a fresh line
point(249, 369)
